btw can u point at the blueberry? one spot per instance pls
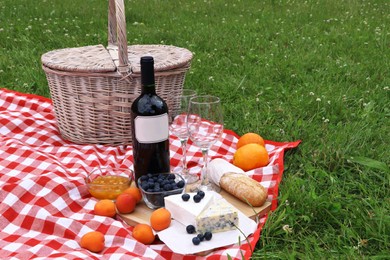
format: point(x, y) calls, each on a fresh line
point(197, 198)
point(180, 184)
point(201, 194)
point(185, 196)
point(144, 178)
point(168, 187)
point(196, 241)
point(150, 175)
point(208, 235)
point(171, 176)
point(164, 182)
point(190, 229)
point(145, 185)
point(174, 187)
point(201, 237)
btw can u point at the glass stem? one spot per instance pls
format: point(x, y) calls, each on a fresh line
point(205, 153)
point(184, 155)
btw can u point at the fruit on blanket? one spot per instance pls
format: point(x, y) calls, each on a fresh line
point(160, 219)
point(135, 192)
point(250, 156)
point(250, 138)
point(92, 241)
point(105, 208)
point(143, 233)
point(196, 240)
point(125, 203)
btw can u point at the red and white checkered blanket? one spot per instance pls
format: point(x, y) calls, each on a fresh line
point(45, 207)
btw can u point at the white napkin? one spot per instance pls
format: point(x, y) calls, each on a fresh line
point(179, 241)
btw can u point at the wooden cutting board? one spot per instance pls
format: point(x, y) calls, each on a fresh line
point(142, 213)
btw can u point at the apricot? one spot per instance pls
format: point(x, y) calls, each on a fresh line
point(143, 233)
point(92, 241)
point(125, 203)
point(105, 208)
point(160, 219)
point(135, 192)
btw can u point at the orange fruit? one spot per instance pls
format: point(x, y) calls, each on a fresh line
point(251, 156)
point(249, 138)
point(125, 203)
point(160, 219)
point(105, 208)
point(92, 241)
point(143, 233)
point(135, 192)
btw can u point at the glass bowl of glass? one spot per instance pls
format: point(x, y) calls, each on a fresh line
point(108, 182)
point(155, 187)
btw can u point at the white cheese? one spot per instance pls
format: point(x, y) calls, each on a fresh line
point(186, 211)
point(220, 216)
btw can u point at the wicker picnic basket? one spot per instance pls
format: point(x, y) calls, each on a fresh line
point(92, 87)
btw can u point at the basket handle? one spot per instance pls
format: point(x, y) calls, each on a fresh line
point(117, 32)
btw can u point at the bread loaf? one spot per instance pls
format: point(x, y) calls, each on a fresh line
point(244, 188)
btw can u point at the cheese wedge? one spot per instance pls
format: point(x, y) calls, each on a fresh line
point(218, 217)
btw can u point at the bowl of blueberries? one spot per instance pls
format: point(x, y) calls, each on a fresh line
point(155, 187)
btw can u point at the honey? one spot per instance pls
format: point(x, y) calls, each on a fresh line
point(108, 187)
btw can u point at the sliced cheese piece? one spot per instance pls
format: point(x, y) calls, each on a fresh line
point(186, 211)
point(220, 216)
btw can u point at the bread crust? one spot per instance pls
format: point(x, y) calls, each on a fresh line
point(244, 188)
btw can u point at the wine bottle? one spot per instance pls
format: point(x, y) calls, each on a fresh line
point(150, 128)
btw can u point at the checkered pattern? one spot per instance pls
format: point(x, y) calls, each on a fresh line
point(45, 207)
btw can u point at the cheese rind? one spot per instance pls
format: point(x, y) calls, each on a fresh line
point(220, 216)
point(186, 211)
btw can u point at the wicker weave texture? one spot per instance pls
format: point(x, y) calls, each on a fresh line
point(92, 88)
point(83, 59)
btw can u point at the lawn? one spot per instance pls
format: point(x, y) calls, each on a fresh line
point(316, 71)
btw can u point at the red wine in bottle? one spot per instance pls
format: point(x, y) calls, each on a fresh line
point(150, 129)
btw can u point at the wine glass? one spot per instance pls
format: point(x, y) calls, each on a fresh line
point(178, 127)
point(205, 127)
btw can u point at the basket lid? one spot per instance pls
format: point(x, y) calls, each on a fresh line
point(81, 59)
point(99, 59)
point(166, 57)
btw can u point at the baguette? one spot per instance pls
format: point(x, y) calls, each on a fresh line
point(244, 188)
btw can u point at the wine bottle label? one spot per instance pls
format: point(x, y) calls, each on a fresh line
point(151, 129)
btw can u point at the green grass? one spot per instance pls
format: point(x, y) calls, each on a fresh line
point(312, 70)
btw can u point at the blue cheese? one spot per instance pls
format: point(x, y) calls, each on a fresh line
point(220, 216)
